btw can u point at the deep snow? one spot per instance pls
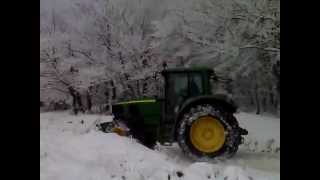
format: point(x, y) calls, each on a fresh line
point(72, 149)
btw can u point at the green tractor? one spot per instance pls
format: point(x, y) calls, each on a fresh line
point(201, 122)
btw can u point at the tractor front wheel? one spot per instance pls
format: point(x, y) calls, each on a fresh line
point(206, 132)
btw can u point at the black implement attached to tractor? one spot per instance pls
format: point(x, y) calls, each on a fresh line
point(201, 121)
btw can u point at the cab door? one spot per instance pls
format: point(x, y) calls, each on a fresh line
point(177, 89)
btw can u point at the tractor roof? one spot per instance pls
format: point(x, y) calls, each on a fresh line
point(193, 69)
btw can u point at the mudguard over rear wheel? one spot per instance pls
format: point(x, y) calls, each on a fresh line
point(206, 132)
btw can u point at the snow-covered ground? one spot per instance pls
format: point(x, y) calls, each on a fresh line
point(71, 149)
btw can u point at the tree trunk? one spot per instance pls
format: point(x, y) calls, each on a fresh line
point(271, 98)
point(258, 111)
point(114, 95)
point(110, 100)
point(78, 97)
point(76, 100)
point(264, 104)
point(89, 101)
point(138, 89)
point(251, 99)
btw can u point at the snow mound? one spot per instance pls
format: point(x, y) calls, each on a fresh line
point(264, 132)
point(71, 149)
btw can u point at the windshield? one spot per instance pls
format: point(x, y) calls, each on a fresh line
point(182, 86)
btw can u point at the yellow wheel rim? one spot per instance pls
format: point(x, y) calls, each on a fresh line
point(207, 134)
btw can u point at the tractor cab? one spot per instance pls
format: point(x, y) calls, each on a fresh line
point(182, 84)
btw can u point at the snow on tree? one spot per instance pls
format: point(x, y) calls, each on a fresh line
point(241, 39)
point(121, 45)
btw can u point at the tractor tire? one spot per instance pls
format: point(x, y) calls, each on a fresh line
point(207, 132)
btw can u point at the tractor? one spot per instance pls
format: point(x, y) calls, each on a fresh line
point(200, 121)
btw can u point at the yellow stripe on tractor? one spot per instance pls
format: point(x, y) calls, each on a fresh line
point(137, 101)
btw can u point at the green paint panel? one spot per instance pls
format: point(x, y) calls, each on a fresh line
point(151, 112)
point(148, 109)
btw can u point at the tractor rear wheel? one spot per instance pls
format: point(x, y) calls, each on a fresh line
point(206, 132)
